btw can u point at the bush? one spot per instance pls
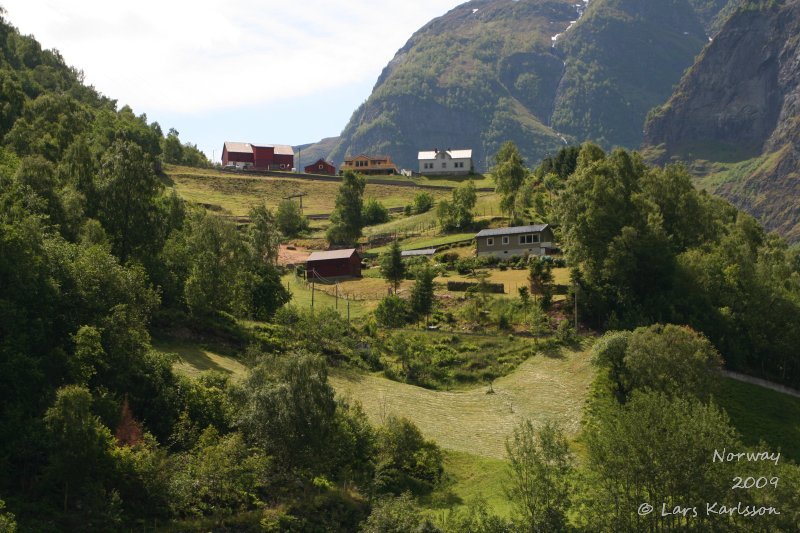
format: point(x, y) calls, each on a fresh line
point(464, 286)
point(290, 219)
point(406, 461)
point(392, 312)
point(374, 213)
point(423, 202)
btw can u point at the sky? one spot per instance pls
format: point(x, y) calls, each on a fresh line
point(288, 72)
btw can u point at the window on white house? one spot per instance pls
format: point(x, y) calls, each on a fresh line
point(505, 240)
point(444, 165)
point(490, 242)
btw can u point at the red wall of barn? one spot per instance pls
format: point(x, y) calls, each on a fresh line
point(235, 157)
point(283, 162)
point(332, 268)
point(263, 156)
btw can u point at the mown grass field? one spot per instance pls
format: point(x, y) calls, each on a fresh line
point(425, 241)
point(487, 206)
point(324, 296)
point(235, 194)
point(512, 279)
point(194, 358)
point(472, 421)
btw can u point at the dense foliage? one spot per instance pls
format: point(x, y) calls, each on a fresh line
point(648, 248)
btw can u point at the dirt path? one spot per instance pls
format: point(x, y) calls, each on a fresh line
point(473, 421)
point(761, 383)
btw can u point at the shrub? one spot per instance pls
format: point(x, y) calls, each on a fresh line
point(392, 312)
point(374, 213)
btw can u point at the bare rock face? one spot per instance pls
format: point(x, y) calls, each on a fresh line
point(741, 101)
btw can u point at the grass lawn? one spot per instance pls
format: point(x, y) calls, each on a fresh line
point(480, 181)
point(488, 205)
point(469, 477)
point(235, 194)
point(472, 421)
point(194, 358)
point(425, 241)
point(763, 414)
point(301, 297)
point(512, 279)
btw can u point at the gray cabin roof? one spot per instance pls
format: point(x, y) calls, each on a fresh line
point(414, 253)
point(538, 228)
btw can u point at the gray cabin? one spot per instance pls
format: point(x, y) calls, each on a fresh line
point(516, 241)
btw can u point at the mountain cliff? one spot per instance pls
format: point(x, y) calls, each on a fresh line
point(735, 116)
point(538, 72)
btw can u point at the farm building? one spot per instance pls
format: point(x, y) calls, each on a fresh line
point(257, 156)
point(321, 167)
point(369, 164)
point(516, 241)
point(426, 252)
point(334, 264)
point(445, 162)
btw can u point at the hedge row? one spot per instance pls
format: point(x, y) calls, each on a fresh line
point(463, 286)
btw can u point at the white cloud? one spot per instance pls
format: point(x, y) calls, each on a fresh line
point(198, 56)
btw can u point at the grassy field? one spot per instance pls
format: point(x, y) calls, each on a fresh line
point(235, 194)
point(301, 296)
point(512, 279)
point(194, 358)
point(470, 477)
point(542, 388)
point(425, 241)
point(488, 205)
point(760, 413)
point(480, 181)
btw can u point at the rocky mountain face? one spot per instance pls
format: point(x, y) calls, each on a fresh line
point(737, 111)
point(539, 72)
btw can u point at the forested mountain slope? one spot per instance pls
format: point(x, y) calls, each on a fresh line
point(538, 72)
point(739, 106)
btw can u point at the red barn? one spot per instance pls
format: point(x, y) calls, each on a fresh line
point(258, 156)
point(321, 167)
point(237, 154)
point(334, 264)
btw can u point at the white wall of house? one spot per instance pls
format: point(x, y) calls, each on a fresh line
point(445, 162)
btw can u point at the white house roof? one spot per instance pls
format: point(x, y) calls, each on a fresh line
point(331, 254)
point(455, 154)
point(512, 231)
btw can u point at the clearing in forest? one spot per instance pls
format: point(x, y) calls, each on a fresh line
point(474, 421)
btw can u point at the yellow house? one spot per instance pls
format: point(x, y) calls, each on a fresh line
point(369, 164)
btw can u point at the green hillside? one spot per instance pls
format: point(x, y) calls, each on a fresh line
point(490, 71)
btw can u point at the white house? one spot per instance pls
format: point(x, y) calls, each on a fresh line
point(445, 163)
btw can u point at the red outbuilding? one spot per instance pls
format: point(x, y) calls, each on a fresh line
point(321, 167)
point(257, 156)
point(334, 264)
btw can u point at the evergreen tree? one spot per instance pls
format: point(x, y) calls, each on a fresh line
point(422, 293)
point(392, 267)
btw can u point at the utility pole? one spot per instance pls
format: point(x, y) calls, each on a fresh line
point(337, 295)
point(312, 289)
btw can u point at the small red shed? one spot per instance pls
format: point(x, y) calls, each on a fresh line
point(321, 167)
point(334, 264)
